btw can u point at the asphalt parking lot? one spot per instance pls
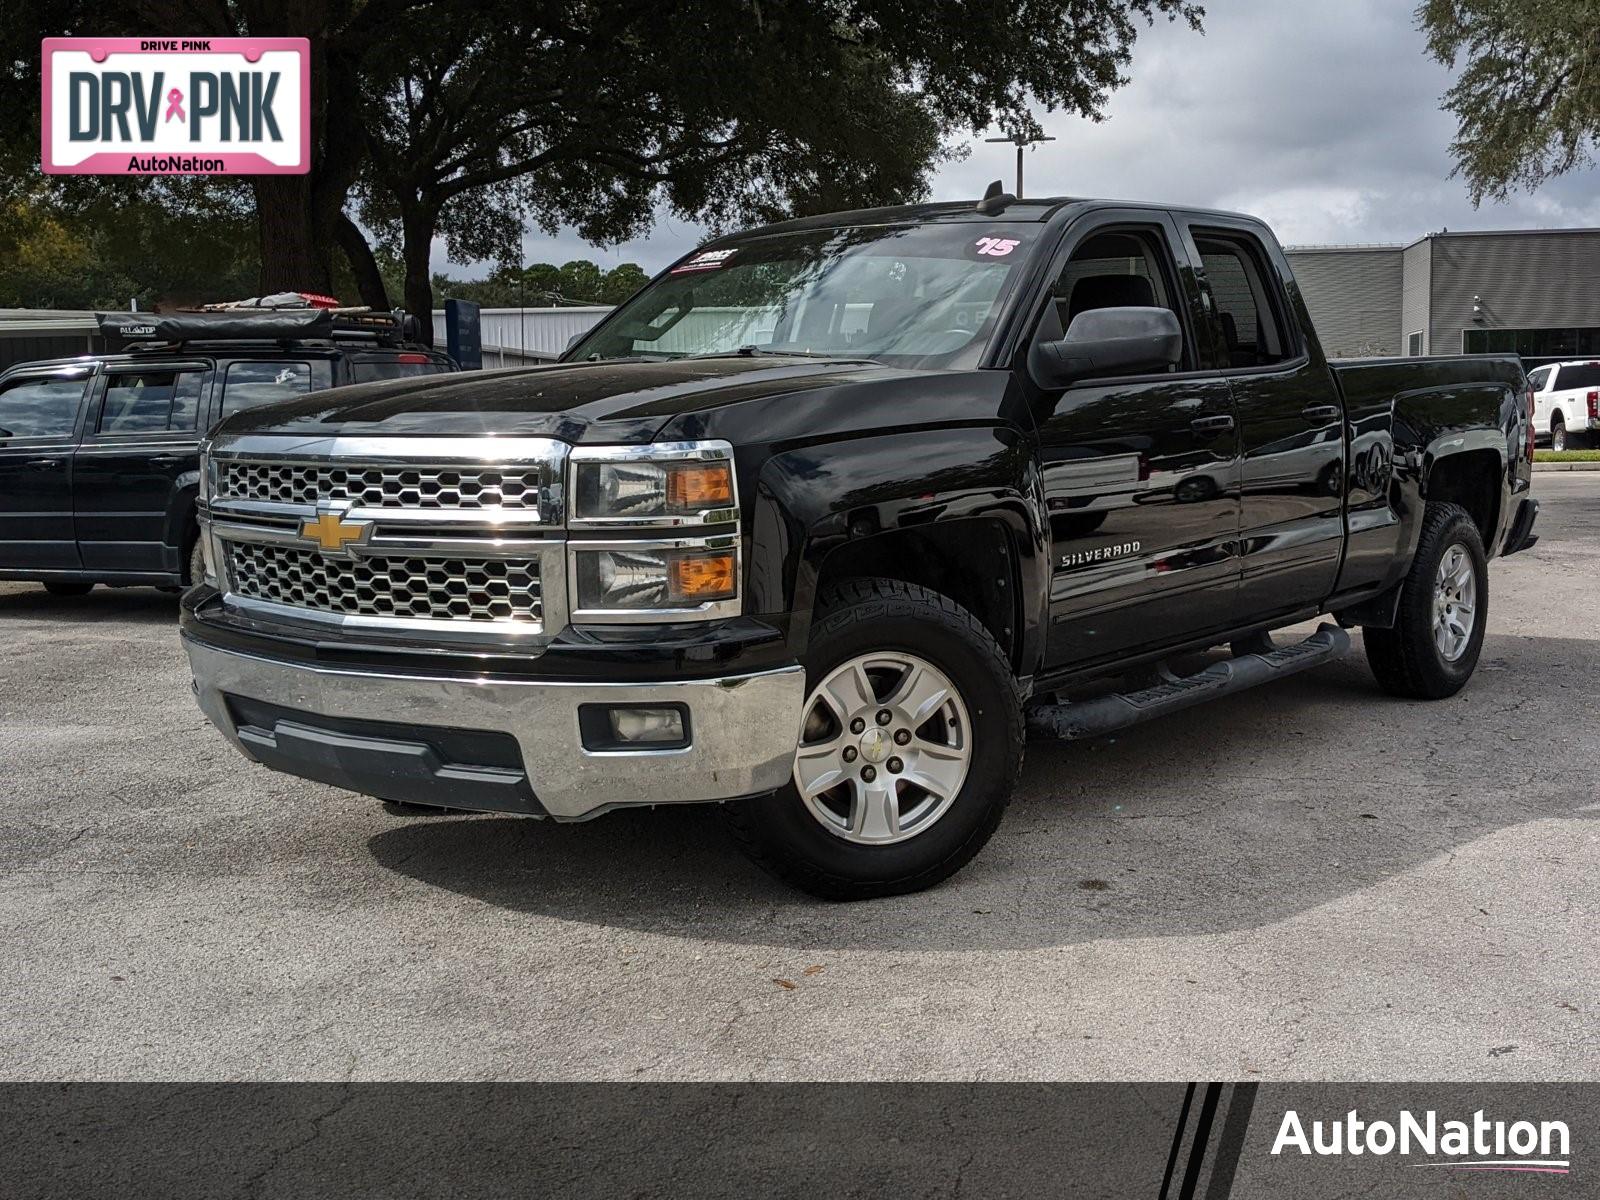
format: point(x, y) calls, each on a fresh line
point(1307, 881)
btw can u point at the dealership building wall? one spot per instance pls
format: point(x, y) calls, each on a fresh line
point(1529, 292)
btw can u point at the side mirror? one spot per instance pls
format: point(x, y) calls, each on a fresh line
point(1109, 341)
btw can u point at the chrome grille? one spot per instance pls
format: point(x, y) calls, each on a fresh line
point(381, 487)
point(408, 588)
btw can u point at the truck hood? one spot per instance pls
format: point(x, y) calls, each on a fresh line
point(616, 401)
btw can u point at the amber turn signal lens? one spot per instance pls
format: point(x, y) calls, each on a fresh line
point(694, 486)
point(701, 577)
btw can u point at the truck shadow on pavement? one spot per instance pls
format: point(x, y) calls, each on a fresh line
point(1230, 816)
point(135, 605)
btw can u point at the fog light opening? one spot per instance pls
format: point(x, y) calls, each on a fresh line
point(634, 726)
point(650, 725)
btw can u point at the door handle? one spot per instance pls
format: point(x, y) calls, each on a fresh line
point(1222, 423)
point(1320, 414)
point(44, 464)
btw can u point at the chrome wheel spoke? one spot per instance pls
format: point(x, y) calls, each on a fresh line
point(942, 774)
point(819, 767)
point(848, 692)
point(874, 810)
point(918, 695)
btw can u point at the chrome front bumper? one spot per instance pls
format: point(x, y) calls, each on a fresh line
point(743, 729)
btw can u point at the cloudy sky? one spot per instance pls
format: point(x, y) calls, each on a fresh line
point(1319, 115)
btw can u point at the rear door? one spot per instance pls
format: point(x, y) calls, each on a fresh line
point(136, 469)
point(1140, 471)
point(1291, 419)
point(40, 412)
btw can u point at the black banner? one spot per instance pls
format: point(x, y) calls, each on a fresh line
point(1162, 1141)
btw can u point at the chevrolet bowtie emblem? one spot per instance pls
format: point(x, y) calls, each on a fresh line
point(332, 532)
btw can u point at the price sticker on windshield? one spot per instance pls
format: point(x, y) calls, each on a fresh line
point(706, 260)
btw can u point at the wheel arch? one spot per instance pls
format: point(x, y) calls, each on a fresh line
point(958, 511)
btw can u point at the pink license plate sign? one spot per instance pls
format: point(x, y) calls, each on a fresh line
point(176, 106)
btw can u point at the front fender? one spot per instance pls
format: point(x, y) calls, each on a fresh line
point(814, 501)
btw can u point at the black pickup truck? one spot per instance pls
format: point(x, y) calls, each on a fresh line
point(828, 515)
point(100, 455)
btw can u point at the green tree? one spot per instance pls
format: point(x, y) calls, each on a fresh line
point(542, 285)
point(1527, 99)
point(469, 119)
point(102, 247)
point(598, 114)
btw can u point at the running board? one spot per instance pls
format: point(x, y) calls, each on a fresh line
point(1107, 714)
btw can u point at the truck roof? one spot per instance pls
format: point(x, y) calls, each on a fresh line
point(1039, 209)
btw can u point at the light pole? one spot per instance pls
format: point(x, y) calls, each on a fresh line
point(1021, 142)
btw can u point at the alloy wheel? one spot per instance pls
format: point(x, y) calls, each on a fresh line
point(884, 749)
point(1454, 600)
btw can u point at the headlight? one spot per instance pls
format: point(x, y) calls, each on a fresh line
point(651, 578)
point(626, 574)
point(678, 484)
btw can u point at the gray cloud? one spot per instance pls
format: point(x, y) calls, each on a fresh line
point(1321, 117)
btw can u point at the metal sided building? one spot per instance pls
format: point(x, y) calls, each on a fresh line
point(1533, 292)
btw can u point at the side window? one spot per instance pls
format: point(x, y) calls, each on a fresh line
point(150, 401)
point(1114, 269)
point(1249, 302)
point(250, 384)
point(1578, 375)
point(407, 365)
point(34, 407)
point(1539, 378)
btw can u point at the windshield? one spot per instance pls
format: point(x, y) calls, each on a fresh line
point(908, 296)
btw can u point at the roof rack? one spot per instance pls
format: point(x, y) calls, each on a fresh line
point(250, 322)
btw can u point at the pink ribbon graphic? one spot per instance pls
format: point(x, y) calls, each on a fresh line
point(175, 106)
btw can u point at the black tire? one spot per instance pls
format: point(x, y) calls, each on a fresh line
point(196, 568)
point(877, 616)
point(64, 587)
point(1558, 434)
point(1406, 659)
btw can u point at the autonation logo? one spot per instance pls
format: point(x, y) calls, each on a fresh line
point(1476, 1145)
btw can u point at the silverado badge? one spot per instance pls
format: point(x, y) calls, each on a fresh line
point(330, 531)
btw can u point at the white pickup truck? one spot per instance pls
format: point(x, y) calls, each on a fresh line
point(1566, 403)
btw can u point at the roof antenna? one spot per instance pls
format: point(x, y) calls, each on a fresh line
point(995, 199)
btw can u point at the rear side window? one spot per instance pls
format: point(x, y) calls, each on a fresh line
point(151, 401)
point(252, 384)
point(404, 367)
point(1249, 303)
point(1584, 375)
point(39, 407)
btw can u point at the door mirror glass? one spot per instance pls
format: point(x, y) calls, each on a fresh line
point(1109, 341)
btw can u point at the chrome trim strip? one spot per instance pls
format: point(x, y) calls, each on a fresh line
point(434, 627)
point(319, 450)
point(481, 518)
point(743, 727)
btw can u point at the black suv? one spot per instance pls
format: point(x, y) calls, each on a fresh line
point(99, 455)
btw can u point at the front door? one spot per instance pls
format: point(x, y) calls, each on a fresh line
point(1291, 423)
point(1140, 472)
point(142, 439)
point(39, 414)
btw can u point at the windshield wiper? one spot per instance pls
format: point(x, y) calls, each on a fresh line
point(763, 352)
